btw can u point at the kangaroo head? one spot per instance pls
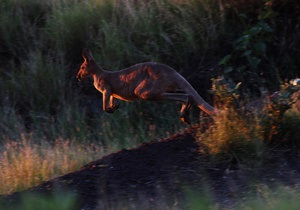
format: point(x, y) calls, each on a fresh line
point(87, 68)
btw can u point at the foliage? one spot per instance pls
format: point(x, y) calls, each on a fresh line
point(234, 136)
point(245, 133)
point(253, 59)
point(225, 92)
point(280, 102)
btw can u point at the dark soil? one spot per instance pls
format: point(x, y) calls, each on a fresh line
point(165, 175)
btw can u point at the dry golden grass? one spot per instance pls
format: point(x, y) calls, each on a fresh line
point(25, 164)
point(232, 132)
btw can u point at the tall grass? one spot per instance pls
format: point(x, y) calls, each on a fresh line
point(42, 43)
point(234, 136)
point(248, 133)
point(25, 163)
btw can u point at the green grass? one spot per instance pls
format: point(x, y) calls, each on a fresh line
point(59, 200)
point(278, 198)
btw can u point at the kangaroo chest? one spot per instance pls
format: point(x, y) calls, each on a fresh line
point(118, 91)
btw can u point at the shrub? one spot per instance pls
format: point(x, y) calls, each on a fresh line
point(247, 134)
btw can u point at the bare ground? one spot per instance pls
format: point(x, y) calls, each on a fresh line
point(166, 175)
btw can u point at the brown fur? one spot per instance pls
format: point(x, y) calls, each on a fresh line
point(147, 81)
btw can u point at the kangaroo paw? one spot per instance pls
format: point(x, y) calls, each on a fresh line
point(115, 107)
point(185, 118)
point(112, 108)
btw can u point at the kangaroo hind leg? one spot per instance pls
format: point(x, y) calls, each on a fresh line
point(186, 104)
point(185, 111)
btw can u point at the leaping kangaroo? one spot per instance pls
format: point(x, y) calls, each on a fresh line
point(144, 81)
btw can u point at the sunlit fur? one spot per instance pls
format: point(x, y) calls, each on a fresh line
point(146, 81)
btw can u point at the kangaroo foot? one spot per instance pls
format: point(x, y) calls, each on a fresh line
point(184, 120)
point(184, 117)
point(115, 107)
point(112, 108)
point(109, 110)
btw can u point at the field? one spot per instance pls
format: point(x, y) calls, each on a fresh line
point(235, 53)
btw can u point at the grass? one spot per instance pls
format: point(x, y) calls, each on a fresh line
point(234, 135)
point(30, 158)
point(25, 164)
point(280, 198)
point(59, 200)
point(247, 133)
point(48, 125)
point(265, 198)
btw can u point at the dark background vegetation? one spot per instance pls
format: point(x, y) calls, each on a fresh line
point(253, 42)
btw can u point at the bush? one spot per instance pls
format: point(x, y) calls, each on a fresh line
point(247, 133)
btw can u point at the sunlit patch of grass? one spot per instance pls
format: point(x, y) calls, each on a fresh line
point(233, 135)
point(25, 163)
point(250, 136)
point(245, 132)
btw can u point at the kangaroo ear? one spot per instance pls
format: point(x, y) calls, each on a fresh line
point(87, 54)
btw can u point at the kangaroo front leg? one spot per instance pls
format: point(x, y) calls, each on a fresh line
point(106, 103)
point(105, 100)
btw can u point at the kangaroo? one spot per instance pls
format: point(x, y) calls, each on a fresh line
point(144, 81)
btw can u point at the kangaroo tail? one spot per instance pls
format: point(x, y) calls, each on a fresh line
point(201, 103)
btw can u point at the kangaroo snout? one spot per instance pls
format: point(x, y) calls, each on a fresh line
point(81, 75)
point(78, 77)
